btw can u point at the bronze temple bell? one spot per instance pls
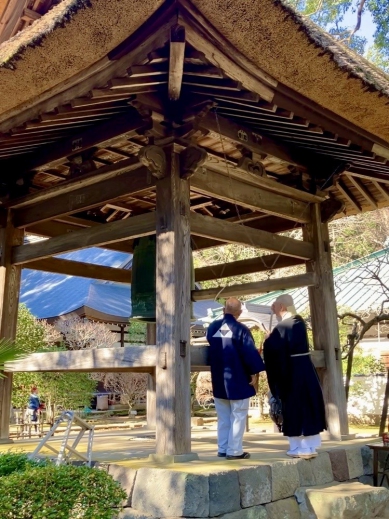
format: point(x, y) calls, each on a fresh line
point(143, 285)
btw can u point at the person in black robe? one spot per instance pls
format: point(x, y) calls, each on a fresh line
point(293, 379)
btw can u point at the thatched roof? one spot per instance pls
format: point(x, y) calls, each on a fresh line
point(295, 52)
point(12, 50)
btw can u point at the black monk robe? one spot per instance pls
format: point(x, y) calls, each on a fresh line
point(293, 378)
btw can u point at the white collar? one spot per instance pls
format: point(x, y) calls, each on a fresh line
point(287, 315)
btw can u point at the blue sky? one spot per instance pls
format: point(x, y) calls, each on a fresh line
point(367, 26)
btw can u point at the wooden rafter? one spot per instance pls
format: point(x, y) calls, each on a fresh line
point(240, 134)
point(360, 172)
point(364, 191)
point(344, 190)
point(381, 189)
point(222, 54)
point(110, 130)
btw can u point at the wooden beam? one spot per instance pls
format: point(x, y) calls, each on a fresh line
point(141, 359)
point(232, 190)
point(268, 184)
point(200, 358)
point(257, 287)
point(232, 233)
point(176, 61)
point(364, 191)
point(151, 395)
point(173, 309)
point(129, 358)
point(73, 184)
point(81, 269)
point(9, 299)
point(341, 186)
point(248, 266)
point(325, 325)
point(112, 232)
point(58, 228)
point(221, 127)
point(125, 182)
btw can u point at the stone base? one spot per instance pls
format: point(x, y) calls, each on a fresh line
point(6, 440)
point(334, 485)
point(165, 459)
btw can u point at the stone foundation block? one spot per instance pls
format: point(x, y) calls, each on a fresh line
point(163, 493)
point(345, 501)
point(130, 513)
point(339, 464)
point(255, 485)
point(305, 509)
point(322, 469)
point(306, 473)
point(285, 479)
point(126, 477)
point(283, 509)
point(255, 512)
point(367, 460)
point(354, 462)
point(224, 493)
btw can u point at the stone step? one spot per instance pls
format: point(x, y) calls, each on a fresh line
point(349, 500)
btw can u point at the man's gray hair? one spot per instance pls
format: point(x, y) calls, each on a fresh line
point(285, 299)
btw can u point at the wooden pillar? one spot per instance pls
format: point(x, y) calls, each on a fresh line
point(325, 326)
point(151, 404)
point(173, 442)
point(9, 300)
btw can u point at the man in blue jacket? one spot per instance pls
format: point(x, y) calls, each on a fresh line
point(234, 362)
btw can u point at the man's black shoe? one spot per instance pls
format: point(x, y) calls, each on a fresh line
point(221, 454)
point(244, 456)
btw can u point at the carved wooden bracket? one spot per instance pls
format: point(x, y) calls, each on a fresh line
point(250, 166)
point(191, 159)
point(329, 208)
point(154, 158)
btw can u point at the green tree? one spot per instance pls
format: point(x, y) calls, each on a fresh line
point(330, 15)
point(68, 390)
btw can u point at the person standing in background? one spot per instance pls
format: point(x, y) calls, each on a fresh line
point(293, 379)
point(234, 362)
point(33, 406)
